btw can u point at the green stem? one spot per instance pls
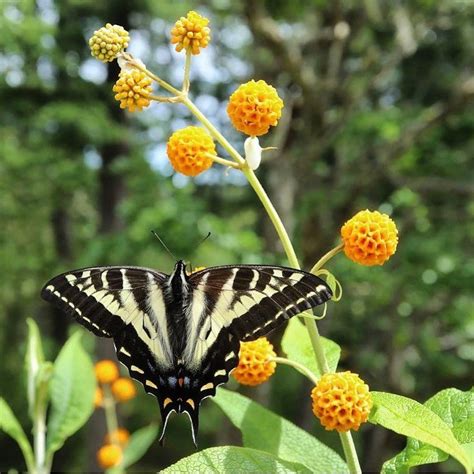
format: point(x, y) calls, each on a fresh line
point(213, 131)
point(110, 414)
point(39, 436)
point(299, 367)
point(350, 453)
point(325, 258)
point(187, 69)
point(312, 328)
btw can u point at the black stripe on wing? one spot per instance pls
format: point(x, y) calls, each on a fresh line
point(97, 297)
point(255, 299)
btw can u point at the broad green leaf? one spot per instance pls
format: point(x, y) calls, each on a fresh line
point(10, 425)
point(410, 418)
point(137, 446)
point(72, 393)
point(297, 345)
point(264, 430)
point(456, 409)
point(233, 459)
point(34, 360)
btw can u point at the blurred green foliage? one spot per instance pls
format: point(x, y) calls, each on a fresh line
point(378, 98)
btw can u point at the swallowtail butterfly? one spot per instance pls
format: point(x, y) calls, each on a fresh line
point(180, 335)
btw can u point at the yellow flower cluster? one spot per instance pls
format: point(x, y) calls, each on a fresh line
point(107, 373)
point(254, 366)
point(341, 401)
point(107, 42)
point(109, 455)
point(187, 149)
point(254, 107)
point(191, 33)
point(370, 238)
point(133, 90)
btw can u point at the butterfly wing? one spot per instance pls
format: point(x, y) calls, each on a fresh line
point(123, 303)
point(239, 303)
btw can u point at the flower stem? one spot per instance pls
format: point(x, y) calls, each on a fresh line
point(213, 130)
point(299, 367)
point(110, 414)
point(350, 453)
point(39, 435)
point(223, 161)
point(312, 328)
point(325, 258)
point(187, 69)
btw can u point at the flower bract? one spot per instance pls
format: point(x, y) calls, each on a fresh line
point(370, 238)
point(254, 107)
point(107, 42)
point(191, 33)
point(341, 401)
point(254, 365)
point(187, 150)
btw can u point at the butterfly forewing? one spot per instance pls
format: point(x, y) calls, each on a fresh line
point(252, 300)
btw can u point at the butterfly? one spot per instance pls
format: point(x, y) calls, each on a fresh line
point(179, 334)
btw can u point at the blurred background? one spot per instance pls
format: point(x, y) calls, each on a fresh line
point(378, 114)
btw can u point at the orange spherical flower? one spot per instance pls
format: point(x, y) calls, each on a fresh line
point(254, 107)
point(254, 367)
point(106, 371)
point(98, 397)
point(187, 150)
point(109, 455)
point(133, 90)
point(108, 42)
point(123, 389)
point(191, 33)
point(120, 436)
point(370, 238)
point(341, 401)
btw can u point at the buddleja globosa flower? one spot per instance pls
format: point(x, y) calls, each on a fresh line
point(109, 455)
point(341, 401)
point(187, 150)
point(107, 42)
point(191, 33)
point(133, 90)
point(254, 365)
point(254, 107)
point(123, 389)
point(106, 371)
point(370, 238)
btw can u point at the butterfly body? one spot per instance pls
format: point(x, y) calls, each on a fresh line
point(180, 335)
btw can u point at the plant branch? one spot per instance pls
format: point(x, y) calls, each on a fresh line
point(299, 367)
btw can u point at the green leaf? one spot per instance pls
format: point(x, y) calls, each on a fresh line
point(410, 418)
point(138, 445)
point(297, 346)
point(10, 425)
point(72, 393)
point(233, 459)
point(264, 430)
point(34, 360)
point(456, 409)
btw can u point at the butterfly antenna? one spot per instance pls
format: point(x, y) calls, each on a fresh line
point(203, 240)
point(164, 245)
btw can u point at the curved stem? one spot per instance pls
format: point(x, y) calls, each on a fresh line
point(223, 161)
point(213, 131)
point(312, 328)
point(299, 367)
point(110, 414)
point(325, 258)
